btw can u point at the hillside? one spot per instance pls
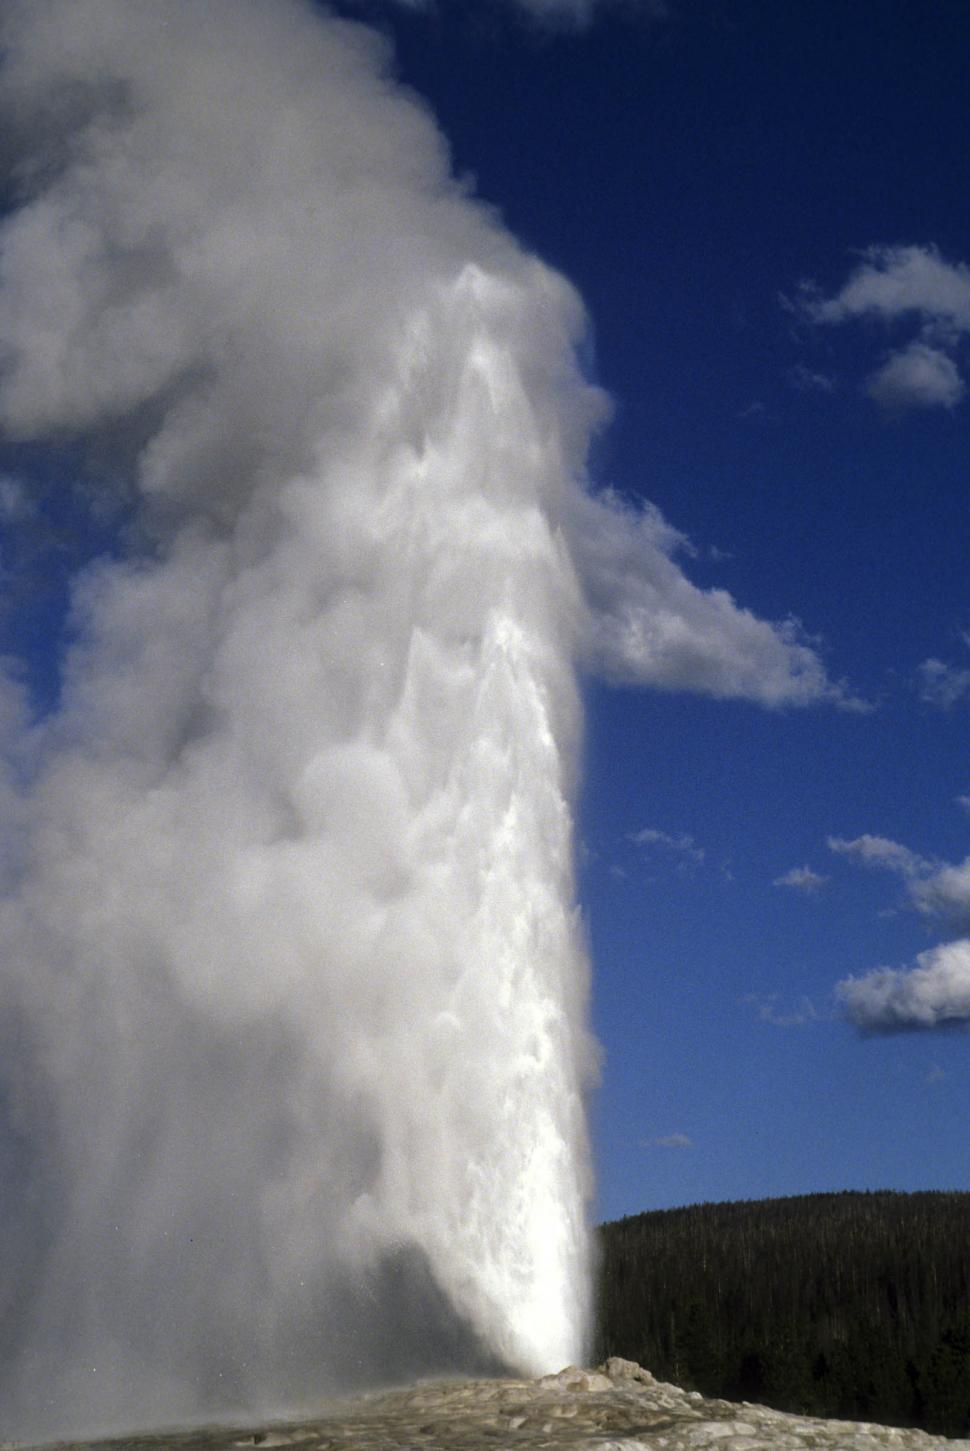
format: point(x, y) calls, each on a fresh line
point(854, 1305)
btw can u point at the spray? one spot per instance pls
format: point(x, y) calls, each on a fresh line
point(293, 987)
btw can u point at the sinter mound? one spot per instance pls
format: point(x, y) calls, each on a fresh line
point(618, 1407)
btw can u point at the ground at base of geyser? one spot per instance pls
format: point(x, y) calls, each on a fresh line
point(617, 1407)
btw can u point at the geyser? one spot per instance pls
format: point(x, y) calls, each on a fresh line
point(293, 986)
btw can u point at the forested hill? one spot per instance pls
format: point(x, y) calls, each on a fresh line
point(853, 1304)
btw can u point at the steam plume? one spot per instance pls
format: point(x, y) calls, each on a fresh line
point(293, 993)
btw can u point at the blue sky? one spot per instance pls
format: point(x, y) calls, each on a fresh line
point(764, 207)
point(691, 168)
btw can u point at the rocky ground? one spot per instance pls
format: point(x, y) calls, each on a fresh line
point(619, 1407)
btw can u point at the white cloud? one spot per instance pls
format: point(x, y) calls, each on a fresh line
point(934, 994)
point(682, 845)
point(945, 893)
point(802, 879)
point(896, 284)
point(880, 851)
point(935, 890)
point(917, 376)
point(647, 624)
point(769, 1011)
point(894, 281)
point(941, 684)
point(963, 801)
point(668, 1141)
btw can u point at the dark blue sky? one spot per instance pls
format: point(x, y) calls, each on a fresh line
point(688, 174)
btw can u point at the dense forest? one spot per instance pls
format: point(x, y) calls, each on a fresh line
point(851, 1305)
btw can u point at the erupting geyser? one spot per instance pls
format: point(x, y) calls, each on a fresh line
point(293, 987)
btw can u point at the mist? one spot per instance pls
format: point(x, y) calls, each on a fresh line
point(293, 1006)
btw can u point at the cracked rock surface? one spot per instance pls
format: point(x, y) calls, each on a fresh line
point(618, 1407)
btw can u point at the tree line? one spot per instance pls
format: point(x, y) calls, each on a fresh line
point(853, 1305)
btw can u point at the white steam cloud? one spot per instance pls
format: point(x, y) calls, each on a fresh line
point(293, 995)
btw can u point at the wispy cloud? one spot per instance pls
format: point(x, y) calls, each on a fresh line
point(807, 380)
point(15, 502)
point(901, 284)
point(917, 376)
point(936, 889)
point(880, 851)
point(768, 1010)
point(936, 991)
point(681, 845)
point(668, 1141)
point(802, 879)
point(891, 282)
point(941, 684)
point(946, 893)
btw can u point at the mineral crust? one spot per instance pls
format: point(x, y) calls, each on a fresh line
point(617, 1407)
